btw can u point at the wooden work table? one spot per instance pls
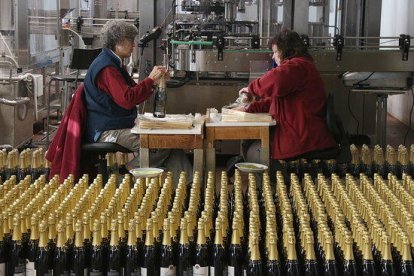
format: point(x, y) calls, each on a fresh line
point(186, 139)
point(236, 131)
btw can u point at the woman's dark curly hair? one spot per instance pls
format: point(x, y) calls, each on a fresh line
point(290, 44)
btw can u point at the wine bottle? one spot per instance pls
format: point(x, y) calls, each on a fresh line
point(60, 263)
point(200, 266)
point(114, 263)
point(160, 99)
point(78, 264)
point(105, 242)
point(148, 264)
point(254, 267)
point(273, 265)
point(184, 266)
point(2, 249)
point(35, 170)
point(17, 264)
point(387, 264)
point(42, 258)
point(22, 171)
point(52, 239)
point(311, 265)
point(167, 265)
point(350, 267)
point(132, 267)
point(96, 268)
point(219, 267)
point(368, 265)
point(87, 244)
point(292, 265)
point(330, 267)
point(236, 252)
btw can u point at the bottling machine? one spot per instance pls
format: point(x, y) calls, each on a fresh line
point(212, 47)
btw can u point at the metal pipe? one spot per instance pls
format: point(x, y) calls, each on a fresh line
point(15, 101)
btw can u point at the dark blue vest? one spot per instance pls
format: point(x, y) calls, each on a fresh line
point(103, 112)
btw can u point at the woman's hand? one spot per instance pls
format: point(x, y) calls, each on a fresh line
point(156, 73)
point(244, 90)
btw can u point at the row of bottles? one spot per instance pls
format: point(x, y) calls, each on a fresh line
point(328, 226)
point(33, 162)
point(364, 160)
point(27, 162)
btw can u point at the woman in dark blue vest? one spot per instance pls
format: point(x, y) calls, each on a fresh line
point(112, 95)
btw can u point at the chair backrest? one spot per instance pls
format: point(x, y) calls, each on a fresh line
point(82, 58)
point(337, 129)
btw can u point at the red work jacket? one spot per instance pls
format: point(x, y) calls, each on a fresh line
point(293, 94)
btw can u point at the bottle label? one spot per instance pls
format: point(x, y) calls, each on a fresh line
point(168, 271)
point(225, 272)
point(200, 270)
point(19, 270)
point(30, 268)
point(2, 269)
point(135, 273)
point(231, 270)
point(95, 273)
point(143, 271)
point(113, 273)
point(188, 271)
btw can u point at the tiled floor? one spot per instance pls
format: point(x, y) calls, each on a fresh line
point(397, 131)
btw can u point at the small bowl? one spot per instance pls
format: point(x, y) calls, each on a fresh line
point(146, 172)
point(250, 167)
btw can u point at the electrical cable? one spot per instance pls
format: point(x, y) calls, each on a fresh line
point(352, 113)
point(361, 81)
point(357, 84)
point(411, 112)
point(139, 72)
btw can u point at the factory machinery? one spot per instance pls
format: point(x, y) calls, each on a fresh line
point(212, 47)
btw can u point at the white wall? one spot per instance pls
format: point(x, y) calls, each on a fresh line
point(397, 18)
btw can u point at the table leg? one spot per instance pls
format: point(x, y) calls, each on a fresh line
point(381, 122)
point(210, 160)
point(144, 157)
point(199, 161)
point(264, 155)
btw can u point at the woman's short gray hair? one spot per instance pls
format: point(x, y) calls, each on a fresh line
point(116, 31)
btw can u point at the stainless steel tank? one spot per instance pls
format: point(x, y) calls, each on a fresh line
point(16, 110)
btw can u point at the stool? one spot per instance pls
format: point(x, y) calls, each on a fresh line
point(100, 150)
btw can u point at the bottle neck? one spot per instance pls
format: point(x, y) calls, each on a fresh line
point(291, 250)
point(149, 238)
point(183, 236)
point(97, 238)
point(43, 239)
point(310, 251)
point(218, 238)
point(61, 239)
point(79, 239)
point(349, 255)
point(255, 253)
point(273, 255)
point(201, 238)
point(17, 234)
point(329, 253)
point(86, 231)
point(132, 237)
point(114, 237)
point(235, 238)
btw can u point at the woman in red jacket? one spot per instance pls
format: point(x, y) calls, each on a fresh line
point(293, 94)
